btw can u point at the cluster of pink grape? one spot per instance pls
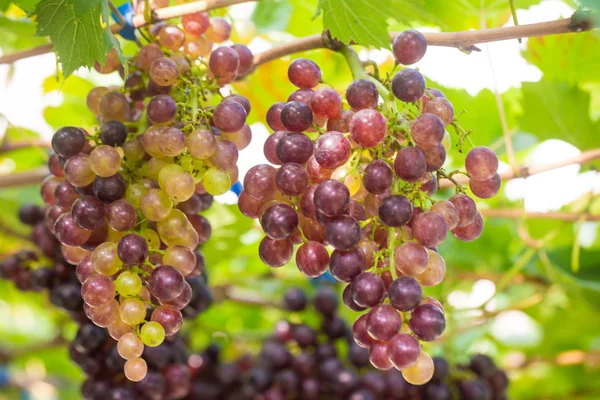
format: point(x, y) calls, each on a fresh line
point(357, 176)
point(124, 200)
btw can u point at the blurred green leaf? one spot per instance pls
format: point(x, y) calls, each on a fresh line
point(18, 34)
point(272, 15)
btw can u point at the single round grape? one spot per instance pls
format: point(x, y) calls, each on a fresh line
point(171, 38)
point(216, 182)
point(152, 334)
point(275, 253)
point(128, 284)
point(486, 189)
point(409, 47)
point(360, 334)
point(249, 206)
point(429, 184)
point(114, 106)
point(279, 221)
point(435, 272)
point(55, 165)
point(316, 172)
point(312, 259)
point(367, 289)
point(197, 47)
point(151, 139)
point(427, 130)
point(184, 298)
point(302, 95)
point(164, 71)
point(273, 117)
point(395, 210)
point(296, 116)
point(408, 85)
point(181, 258)
point(441, 107)
point(471, 231)
point(119, 328)
point(403, 350)
point(68, 141)
point(362, 94)
point(219, 30)
point(84, 269)
point(429, 228)
point(348, 301)
point(113, 133)
point(78, 170)
point(383, 321)
point(346, 265)
point(241, 139)
point(410, 164)
point(166, 283)
point(171, 142)
point(180, 186)
point(378, 177)
point(146, 55)
point(447, 210)
point(98, 290)
point(427, 322)
point(201, 226)
point(105, 259)
point(132, 311)
point(467, 210)
point(173, 227)
point(169, 317)
point(246, 59)
point(259, 182)
point(434, 157)
point(411, 259)
point(161, 109)
point(378, 355)
point(121, 215)
point(331, 198)
point(226, 155)
point(326, 103)
point(294, 147)
point(201, 143)
point(304, 73)
point(224, 61)
point(405, 293)
point(68, 232)
point(130, 346)
point(134, 150)
point(156, 205)
point(332, 150)
point(104, 315)
point(136, 369)
point(292, 179)
point(196, 24)
point(105, 161)
point(229, 116)
point(110, 189)
point(341, 122)
point(132, 249)
point(368, 128)
point(88, 212)
point(343, 232)
point(421, 371)
point(47, 189)
point(93, 98)
point(65, 195)
point(481, 163)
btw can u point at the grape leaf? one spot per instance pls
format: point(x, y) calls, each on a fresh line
point(18, 34)
point(78, 38)
point(26, 5)
point(555, 110)
point(362, 21)
point(272, 15)
point(110, 40)
point(83, 6)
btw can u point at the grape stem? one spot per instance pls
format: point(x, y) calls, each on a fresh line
point(358, 69)
point(391, 246)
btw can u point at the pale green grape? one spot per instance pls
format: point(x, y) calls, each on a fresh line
point(216, 182)
point(151, 238)
point(128, 284)
point(152, 334)
point(173, 227)
point(181, 258)
point(105, 161)
point(134, 193)
point(201, 143)
point(180, 186)
point(156, 205)
point(165, 174)
point(105, 259)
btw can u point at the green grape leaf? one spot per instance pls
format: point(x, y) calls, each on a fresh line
point(110, 40)
point(18, 34)
point(573, 59)
point(26, 5)
point(585, 283)
point(272, 15)
point(84, 6)
point(4, 5)
point(78, 38)
point(554, 110)
point(361, 21)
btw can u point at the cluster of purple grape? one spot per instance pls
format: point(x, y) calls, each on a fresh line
point(360, 179)
point(124, 200)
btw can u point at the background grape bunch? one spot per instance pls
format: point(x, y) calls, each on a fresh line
point(123, 201)
point(358, 174)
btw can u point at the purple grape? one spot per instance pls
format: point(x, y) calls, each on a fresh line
point(378, 355)
point(427, 130)
point(331, 198)
point(259, 182)
point(442, 108)
point(326, 103)
point(349, 301)
point(469, 232)
point(273, 117)
point(69, 233)
point(409, 47)
point(378, 177)
point(403, 350)
point(427, 322)
point(429, 228)
point(229, 116)
point(395, 210)
point(296, 116)
point(486, 189)
point(132, 249)
point(368, 128)
point(68, 141)
point(161, 109)
point(312, 259)
point(325, 300)
point(410, 164)
point(383, 321)
point(271, 146)
point(360, 334)
point(88, 212)
point(345, 265)
point(332, 150)
point(304, 73)
point(294, 147)
point(367, 289)
point(279, 221)
point(110, 189)
point(408, 85)
point(405, 293)
point(362, 94)
point(481, 163)
point(113, 133)
point(275, 253)
point(65, 194)
point(434, 157)
point(467, 210)
point(166, 283)
point(343, 232)
point(224, 61)
point(302, 95)
point(341, 122)
point(246, 59)
point(292, 179)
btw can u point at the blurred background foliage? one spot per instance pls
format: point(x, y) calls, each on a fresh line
point(517, 293)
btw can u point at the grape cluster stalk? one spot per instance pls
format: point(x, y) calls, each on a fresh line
point(124, 201)
point(355, 174)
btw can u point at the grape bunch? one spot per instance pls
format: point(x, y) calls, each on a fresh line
point(357, 175)
point(301, 362)
point(124, 201)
